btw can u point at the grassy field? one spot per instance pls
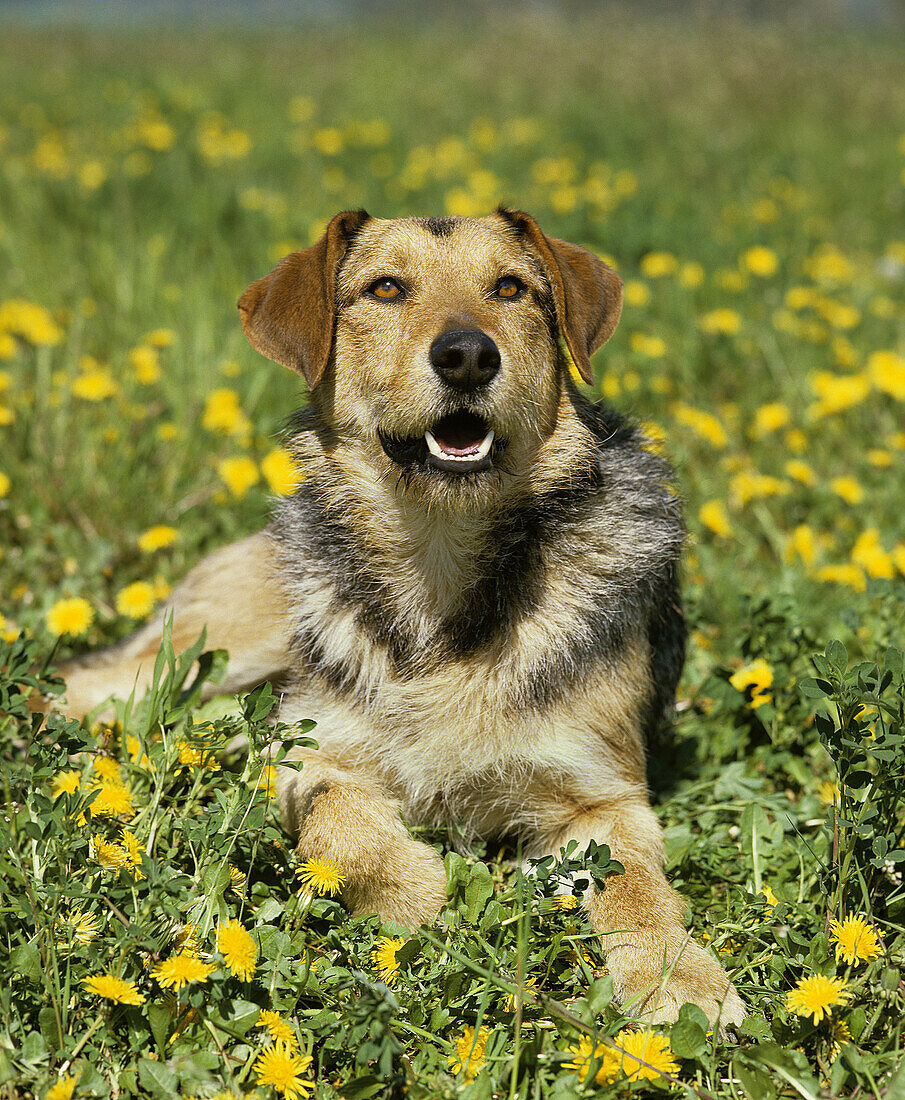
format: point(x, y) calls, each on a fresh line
point(749, 185)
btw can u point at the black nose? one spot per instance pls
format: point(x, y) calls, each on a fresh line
point(465, 358)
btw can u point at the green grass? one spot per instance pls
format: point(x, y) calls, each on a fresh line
point(631, 138)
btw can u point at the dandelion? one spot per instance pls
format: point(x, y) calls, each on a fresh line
point(238, 949)
point(760, 261)
point(758, 676)
point(238, 880)
point(94, 385)
point(62, 1088)
point(156, 538)
point(803, 543)
point(636, 293)
point(145, 363)
point(845, 574)
point(800, 470)
point(239, 474)
point(113, 989)
point(585, 1053)
point(691, 274)
point(855, 940)
point(469, 1053)
point(135, 601)
point(656, 265)
point(816, 995)
point(849, 488)
point(113, 800)
point(645, 1046)
point(70, 616)
point(281, 1068)
point(278, 1029)
point(186, 940)
point(222, 413)
point(5, 484)
point(65, 783)
point(77, 925)
point(870, 555)
point(321, 876)
point(886, 370)
point(703, 424)
point(383, 958)
point(109, 855)
point(720, 322)
point(134, 852)
point(179, 970)
point(713, 515)
point(772, 899)
point(769, 418)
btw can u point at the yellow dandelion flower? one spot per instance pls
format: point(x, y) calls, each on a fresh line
point(62, 1088)
point(279, 1030)
point(195, 756)
point(703, 424)
point(161, 338)
point(134, 852)
point(114, 989)
point(847, 575)
point(636, 293)
point(837, 392)
point(585, 1053)
point(238, 949)
point(237, 879)
point(769, 418)
point(816, 995)
point(720, 322)
point(76, 925)
point(223, 413)
point(803, 543)
point(849, 488)
point(656, 265)
point(855, 940)
point(239, 474)
point(760, 261)
point(565, 902)
point(281, 1068)
point(135, 601)
point(469, 1053)
point(644, 1046)
point(113, 800)
point(186, 940)
point(758, 676)
point(321, 876)
point(179, 970)
point(94, 385)
point(383, 958)
point(870, 555)
point(801, 471)
point(748, 485)
point(691, 274)
point(70, 616)
point(156, 538)
point(105, 766)
point(110, 856)
point(713, 515)
point(281, 473)
point(886, 370)
point(65, 783)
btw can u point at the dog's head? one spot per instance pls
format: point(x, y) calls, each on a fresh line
point(434, 344)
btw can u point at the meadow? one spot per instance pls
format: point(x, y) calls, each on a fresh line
point(158, 935)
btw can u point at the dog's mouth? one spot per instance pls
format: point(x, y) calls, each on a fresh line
point(460, 442)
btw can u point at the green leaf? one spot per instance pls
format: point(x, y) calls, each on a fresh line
point(158, 1078)
point(478, 891)
point(159, 1020)
point(26, 960)
point(837, 654)
point(688, 1037)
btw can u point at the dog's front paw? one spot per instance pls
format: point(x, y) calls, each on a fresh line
point(656, 984)
point(409, 887)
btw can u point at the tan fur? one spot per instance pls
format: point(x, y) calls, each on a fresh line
point(451, 739)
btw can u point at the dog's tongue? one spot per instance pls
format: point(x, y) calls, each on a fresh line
point(460, 433)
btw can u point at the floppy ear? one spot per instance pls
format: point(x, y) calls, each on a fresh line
point(290, 314)
point(588, 294)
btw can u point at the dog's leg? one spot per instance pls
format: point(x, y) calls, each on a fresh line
point(343, 816)
point(653, 959)
point(233, 593)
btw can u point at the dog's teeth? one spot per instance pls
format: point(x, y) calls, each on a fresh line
point(475, 456)
point(433, 446)
point(484, 449)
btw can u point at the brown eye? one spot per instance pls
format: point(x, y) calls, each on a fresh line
point(385, 289)
point(509, 287)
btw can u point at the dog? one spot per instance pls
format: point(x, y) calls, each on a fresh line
point(474, 590)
